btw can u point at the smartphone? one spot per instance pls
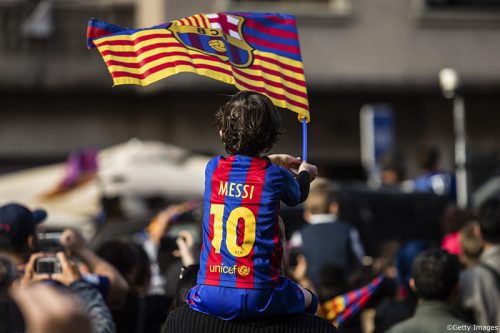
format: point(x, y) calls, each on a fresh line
point(49, 241)
point(48, 265)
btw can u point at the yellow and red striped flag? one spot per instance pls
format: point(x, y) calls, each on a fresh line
point(253, 51)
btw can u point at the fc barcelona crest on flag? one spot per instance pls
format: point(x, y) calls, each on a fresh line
point(224, 39)
point(253, 51)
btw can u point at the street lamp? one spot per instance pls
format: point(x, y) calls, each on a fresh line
point(450, 84)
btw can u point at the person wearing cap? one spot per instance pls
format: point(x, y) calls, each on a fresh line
point(18, 240)
point(18, 231)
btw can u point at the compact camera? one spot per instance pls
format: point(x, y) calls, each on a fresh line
point(49, 241)
point(48, 265)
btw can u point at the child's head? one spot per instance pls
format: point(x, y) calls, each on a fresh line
point(249, 124)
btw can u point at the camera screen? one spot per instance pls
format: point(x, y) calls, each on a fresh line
point(49, 241)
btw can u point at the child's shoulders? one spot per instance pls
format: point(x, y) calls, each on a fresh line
point(212, 164)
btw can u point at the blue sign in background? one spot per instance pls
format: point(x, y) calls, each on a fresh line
point(382, 131)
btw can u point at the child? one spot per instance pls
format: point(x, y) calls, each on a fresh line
point(240, 262)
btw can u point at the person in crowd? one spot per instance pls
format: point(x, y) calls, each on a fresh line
point(187, 279)
point(141, 312)
point(402, 300)
point(241, 255)
point(471, 244)
point(103, 275)
point(8, 274)
point(18, 240)
point(392, 171)
point(453, 222)
point(480, 284)
point(326, 240)
point(183, 319)
point(10, 317)
point(432, 178)
point(171, 253)
point(47, 310)
point(434, 279)
point(70, 280)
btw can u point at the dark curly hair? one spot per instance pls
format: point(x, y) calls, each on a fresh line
point(249, 123)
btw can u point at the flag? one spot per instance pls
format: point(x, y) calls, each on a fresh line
point(253, 51)
point(345, 306)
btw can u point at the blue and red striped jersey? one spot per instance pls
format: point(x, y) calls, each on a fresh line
point(241, 235)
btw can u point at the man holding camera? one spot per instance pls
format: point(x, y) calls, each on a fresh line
point(19, 241)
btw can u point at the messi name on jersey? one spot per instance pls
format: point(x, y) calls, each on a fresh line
point(236, 190)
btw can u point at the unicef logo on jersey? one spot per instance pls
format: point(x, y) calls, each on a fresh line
point(243, 270)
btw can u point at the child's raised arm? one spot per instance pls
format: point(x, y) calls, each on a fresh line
point(285, 161)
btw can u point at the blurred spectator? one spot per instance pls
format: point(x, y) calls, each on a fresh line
point(18, 231)
point(104, 276)
point(402, 301)
point(405, 258)
point(70, 280)
point(471, 244)
point(432, 179)
point(297, 268)
point(47, 310)
point(333, 282)
point(171, 252)
point(8, 273)
point(140, 312)
point(326, 240)
point(434, 279)
point(454, 220)
point(187, 280)
point(18, 239)
point(480, 285)
point(10, 318)
point(392, 171)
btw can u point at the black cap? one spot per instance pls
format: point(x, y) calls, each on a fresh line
point(17, 223)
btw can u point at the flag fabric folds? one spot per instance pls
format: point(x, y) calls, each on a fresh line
point(253, 51)
point(345, 306)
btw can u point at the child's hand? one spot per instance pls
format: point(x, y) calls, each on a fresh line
point(285, 161)
point(312, 169)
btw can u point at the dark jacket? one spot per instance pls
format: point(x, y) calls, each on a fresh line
point(101, 318)
point(328, 244)
point(431, 317)
point(185, 320)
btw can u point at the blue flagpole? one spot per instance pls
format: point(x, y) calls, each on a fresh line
point(304, 139)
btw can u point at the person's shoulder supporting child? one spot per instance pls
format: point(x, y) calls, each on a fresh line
point(240, 262)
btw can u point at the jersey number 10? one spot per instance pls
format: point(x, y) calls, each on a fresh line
point(217, 210)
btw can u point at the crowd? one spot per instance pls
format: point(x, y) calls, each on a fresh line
point(121, 285)
point(149, 280)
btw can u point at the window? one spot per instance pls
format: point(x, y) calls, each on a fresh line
point(316, 10)
point(457, 13)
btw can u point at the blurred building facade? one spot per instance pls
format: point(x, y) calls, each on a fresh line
point(57, 96)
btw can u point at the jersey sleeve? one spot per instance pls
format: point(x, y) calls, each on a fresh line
point(295, 188)
point(100, 282)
